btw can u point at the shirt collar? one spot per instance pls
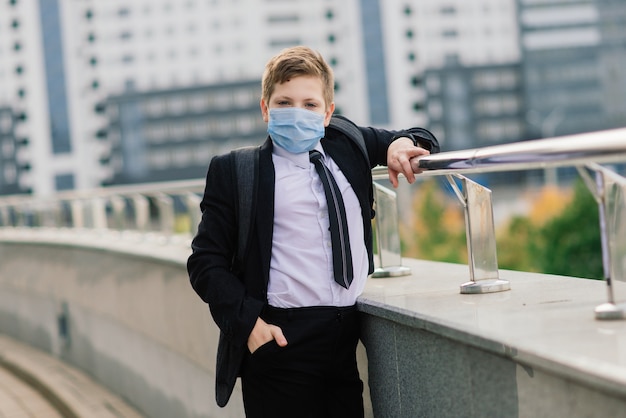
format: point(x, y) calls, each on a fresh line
point(301, 159)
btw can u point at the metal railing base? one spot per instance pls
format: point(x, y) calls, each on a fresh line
point(611, 311)
point(392, 271)
point(485, 286)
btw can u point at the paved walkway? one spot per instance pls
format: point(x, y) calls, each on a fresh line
point(34, 384)
point(19, 400)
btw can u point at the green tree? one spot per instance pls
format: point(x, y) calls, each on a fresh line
point(513, 245)
point(569, 244)
point(438, 230)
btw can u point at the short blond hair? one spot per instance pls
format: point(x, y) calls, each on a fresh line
point(294, 62)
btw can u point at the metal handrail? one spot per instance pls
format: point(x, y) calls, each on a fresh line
point(585, 152)
point(153, 206)
point(601, 147)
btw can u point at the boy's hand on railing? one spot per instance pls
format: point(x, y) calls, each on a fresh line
point(402, 159)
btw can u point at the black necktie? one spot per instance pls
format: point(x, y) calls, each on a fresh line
point(342, 256)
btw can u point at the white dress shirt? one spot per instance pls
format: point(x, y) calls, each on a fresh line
point(301, 268)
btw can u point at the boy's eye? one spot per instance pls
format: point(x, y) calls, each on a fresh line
point(283, 103)
point(311, 105)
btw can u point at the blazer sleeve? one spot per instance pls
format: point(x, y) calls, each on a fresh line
point(377, 141)
point(213, 248)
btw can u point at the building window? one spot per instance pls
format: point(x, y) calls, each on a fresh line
point(331, 38)
point(330, 15)
point(88, 14)
point(91, 37)
point(407, 10)
point(10, 173)
point(416, 81)
point(64, 181)
point(6, 122)
point(409, 34)
point(433, 84)
point(15, 23)
point(154, 107)
point(8, 147)
point(283, 19)
point(447, 10)
point(176, 105)
point(435, 109)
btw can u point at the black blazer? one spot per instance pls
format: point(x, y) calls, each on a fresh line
point(236, 293)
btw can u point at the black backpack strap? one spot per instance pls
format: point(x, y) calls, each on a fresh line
point(246, 165)
point(352, 131)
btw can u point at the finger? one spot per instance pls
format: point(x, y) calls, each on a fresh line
point(278, 335)
point(393, 177)
point(407, 170)
point(415, 165)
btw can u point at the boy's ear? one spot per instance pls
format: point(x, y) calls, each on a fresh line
point(265, 111)
point(329, 114)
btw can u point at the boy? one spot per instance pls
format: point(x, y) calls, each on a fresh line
point(288, 321)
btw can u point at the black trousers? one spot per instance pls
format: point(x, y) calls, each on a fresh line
point(315, 375)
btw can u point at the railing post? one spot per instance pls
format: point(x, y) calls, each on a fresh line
point(78, 216)
point(142, 212)
point(387, 234)
point(166, 213)
point(193, 209)
point(4, 215)
point(609, 190)
point(118, 208)
point(98, 213)
point(481, 238)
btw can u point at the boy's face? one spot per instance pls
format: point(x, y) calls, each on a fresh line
point(305, 92)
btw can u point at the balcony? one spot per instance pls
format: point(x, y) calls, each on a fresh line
point(98, 279)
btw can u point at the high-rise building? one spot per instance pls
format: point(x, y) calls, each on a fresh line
point(163, 135)
point(574, 53)
point(8, 149)
point(431, 34)
point(63, 61)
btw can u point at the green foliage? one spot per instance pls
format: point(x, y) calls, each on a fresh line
point(513, 245)
point(569, 244)
point(438, 231)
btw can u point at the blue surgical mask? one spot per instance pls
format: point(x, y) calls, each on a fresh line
point(294, 129)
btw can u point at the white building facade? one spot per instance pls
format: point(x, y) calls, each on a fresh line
point(61, 59)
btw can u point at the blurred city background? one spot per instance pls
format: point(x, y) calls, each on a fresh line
point(101, 93)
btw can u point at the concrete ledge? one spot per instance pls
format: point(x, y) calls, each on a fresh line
point(71, 392)
point(536, 350)
point(533, 351)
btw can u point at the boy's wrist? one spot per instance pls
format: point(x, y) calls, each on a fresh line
point(414, 138)
point(406, 135)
